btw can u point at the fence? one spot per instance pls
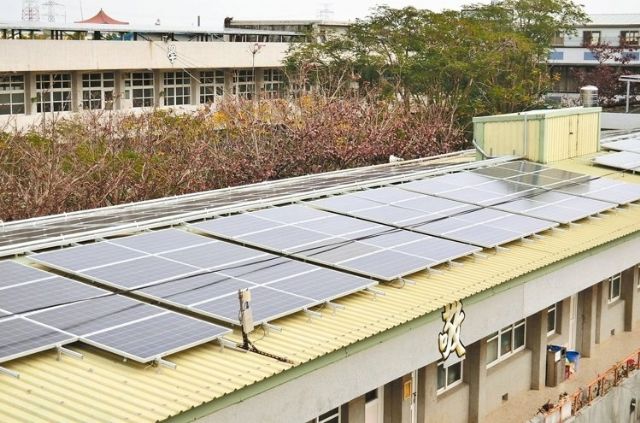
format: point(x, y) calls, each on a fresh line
point(569, 405)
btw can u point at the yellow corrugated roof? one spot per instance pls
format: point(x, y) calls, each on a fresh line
point(103, 388)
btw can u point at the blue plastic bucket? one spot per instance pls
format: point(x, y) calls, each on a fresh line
point(573, 357)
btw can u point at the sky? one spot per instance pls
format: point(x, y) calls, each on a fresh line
point(213, 12)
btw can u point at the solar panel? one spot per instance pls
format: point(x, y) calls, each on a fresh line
point(214, 255)
point(161, 241)
point(237, 225)
point(86, 256)
point(155, 337)
point(139, 272)
point(385, 195)
point(387, 264)
point(45, 293)
point(393, 215)
point(21, 337)
point(632, 145)
point(84, 317)
point(333, 251)
point(266, 304)
point(14, 273)
point(322, 284)
point(345, 203)
point(195, 289)
point(624, 160)
point(289, 214)
point(605, 190)
point(283, 238)
point(316, 246)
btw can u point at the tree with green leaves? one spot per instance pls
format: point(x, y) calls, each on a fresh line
point(483, 59)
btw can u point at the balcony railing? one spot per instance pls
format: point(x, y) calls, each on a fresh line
point(569, 405)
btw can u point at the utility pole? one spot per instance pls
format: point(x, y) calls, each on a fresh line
point(255, 49)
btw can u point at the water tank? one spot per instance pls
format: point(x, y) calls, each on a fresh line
point(589, 96)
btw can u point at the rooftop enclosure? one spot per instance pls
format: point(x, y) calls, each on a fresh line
point(543, 136)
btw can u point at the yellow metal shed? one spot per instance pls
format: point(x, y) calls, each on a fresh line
point(544, 136)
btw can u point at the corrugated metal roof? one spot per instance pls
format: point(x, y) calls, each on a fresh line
point(103, 388)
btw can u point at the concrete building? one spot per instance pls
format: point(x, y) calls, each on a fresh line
point(64, 68)
point(571, 51)
point(449, 344)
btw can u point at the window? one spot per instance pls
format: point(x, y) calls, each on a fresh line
point(97, 90)
point(551, 319)
point(505, 342)
point(631, 56)
point(139, 88)
point(589, 56)
point(629, 37)
point(332, 416)
point(556, 55)
point(53, 92)
point(449, 376)
point(243, 85)
point(11, 94)
point(614, 287)
point(211, 85)
point(591, 38)
point(273, 83)
point(177, 88)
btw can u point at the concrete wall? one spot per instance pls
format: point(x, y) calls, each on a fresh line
point(35, 55)
point(610, 319)
point(615, 406)
point(510, 376)
point(451, 406)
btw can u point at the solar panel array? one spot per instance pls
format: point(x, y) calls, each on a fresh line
point(204, 275)
point(625, 160)
point(19, 236)
point(577, 184)
point(381, 233)
point(520, 188)
point(629, 144)
point(435, 216)
point(41, 310)
point(365, 248)
point(626, 157)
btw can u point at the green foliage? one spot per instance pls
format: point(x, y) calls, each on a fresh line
point(484, 59)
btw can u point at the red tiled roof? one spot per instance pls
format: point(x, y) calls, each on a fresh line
point(102, 18)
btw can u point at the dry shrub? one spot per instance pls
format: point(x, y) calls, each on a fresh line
point(94, 160)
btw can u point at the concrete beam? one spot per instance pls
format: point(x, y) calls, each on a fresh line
point(475, 375)
point(629, 291)
point(537, 343)
point(586, 325)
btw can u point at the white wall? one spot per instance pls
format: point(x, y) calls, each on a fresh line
point(69, 55)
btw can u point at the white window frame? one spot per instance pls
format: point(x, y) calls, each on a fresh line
point(177, 88)
point(591, 40)
point(630, 37)
point(139, 87)
point(53, 92)
point(211, 85)
point(445, 368)
point(615, 296)
point(553, 309)
point(272, 83)
point(498, 336)
point(12, 86)
point(98, 87)
point(329, 416)
point(244, 84)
